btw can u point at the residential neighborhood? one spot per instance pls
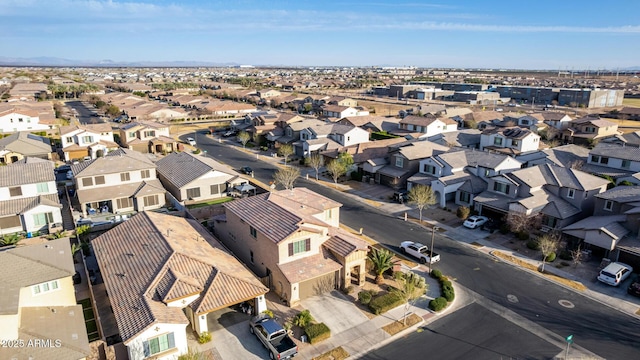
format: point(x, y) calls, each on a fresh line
point(347, 212)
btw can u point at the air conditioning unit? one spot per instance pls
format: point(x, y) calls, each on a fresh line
point(55, 227)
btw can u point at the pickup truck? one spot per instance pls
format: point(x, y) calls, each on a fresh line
point(419, 251)
point(274, 337)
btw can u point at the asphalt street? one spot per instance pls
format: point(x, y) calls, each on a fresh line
point(600, 329)
point(84, 113)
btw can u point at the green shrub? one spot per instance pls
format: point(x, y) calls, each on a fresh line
point(348, 290)
point(197, 151)
point(436, 274)
point(364, 297)
point(533, 245)
point(317, 332)
point(438, 304)
point(550, 257)
point(463, 212)
point(384, 303)
point(523, 235)
point(356, 176)
point(504, 229)
point(204, 337)
point(303, 319)
point(268, 312)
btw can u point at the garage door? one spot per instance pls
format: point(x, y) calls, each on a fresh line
point(320, 285)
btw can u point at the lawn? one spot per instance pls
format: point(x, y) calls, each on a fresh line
point(631, 102)
point(212, 202)
point(90, 321)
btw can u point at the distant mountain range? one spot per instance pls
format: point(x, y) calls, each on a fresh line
point(53, 61)
point(60, 62)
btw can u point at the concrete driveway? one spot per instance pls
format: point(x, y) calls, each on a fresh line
point(333, 309)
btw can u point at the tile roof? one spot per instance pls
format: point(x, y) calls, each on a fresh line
point(103, 193)
point(473, 158)
point(617, 151)
point(182, 168)
point(621, 194)
point(544, 174)
point(26, 173)
point(343, 243)
point(26, 144)
point(24, 266)
point(22, 205)
point(422, 149)
point(513, 132)
point(120, 160)
point(595, 222)
point(310, 267)
point(167, 257)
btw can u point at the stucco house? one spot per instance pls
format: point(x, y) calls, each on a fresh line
point(13, 119)
point(80, 141)
point(459, 176)
point(613, 160)
point(402, 162)
point(147, 137)
point(329, 136)
point(561, 195)
point(612, 231)
point(509, 140)
point(124, 181)
point(196, 178)
point(292, 239)
point(19, 145)
point(29, 197)
point(38, 303)
point(162, 273)
point(427, 125)
point(339, 112)
point(589, 128)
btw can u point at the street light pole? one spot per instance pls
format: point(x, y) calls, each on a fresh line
point(433, 233)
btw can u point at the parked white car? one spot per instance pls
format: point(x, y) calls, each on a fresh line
point(475, 221)
point(191, 141)
point(615, 273)
point(419, 251)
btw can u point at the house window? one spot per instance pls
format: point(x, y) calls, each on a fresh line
point(193, 193)
point(599, 159)
point(253, 232)
point(69, 139)
point(299, 246)
point(608, 205)
point(589, 129)
point(87, 181)
point(429, 169)
point(465, 197)
point(571, 193)
point(42, 219)
point(87, 139)
point(501, 187)
point(159, 344)
point(497, 141)
point(145, 174)
point(45, 287)
point(626, 164)
point(124, 203)
point(132, 134)
point(515, 142)
point(399, 161)
point(99, 180)
point(15, 191)
point(525, 122)
point(149, 133)
point(125, 176)
point(327, 214)
point(550, 221)
point(215, 189)
point(42, 188)
point(151, 200)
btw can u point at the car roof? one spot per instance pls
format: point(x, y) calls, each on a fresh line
point(614, 267)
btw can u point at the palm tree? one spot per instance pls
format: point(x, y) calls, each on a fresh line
point(382, 261)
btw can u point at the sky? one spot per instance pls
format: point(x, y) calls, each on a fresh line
point(541, 34)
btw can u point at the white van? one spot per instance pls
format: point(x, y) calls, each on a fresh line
point(615, 273)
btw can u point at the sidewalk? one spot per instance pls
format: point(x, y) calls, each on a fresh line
point(370, 335)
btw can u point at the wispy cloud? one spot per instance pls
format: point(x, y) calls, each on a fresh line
point(23, 17)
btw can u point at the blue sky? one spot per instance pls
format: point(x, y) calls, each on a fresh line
point(458, 33)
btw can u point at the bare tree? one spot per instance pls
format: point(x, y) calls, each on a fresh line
point(422, 196)
point(285, 150)
point(411, 287)
point(244, 137)
point(577, 256)
point(336, 168)
point(286, 176)
point(548, 244)
point(520, 222)
point(316, 161)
